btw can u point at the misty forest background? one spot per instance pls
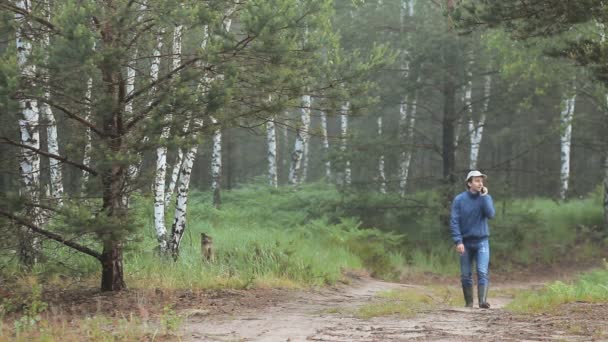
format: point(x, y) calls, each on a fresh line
point(306, 138)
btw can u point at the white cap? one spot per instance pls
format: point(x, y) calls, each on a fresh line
point(475, 173)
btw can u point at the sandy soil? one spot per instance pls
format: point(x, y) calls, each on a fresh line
point(312, 316)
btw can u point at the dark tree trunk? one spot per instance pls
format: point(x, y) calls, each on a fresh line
point(112, 277)
point(114, 172)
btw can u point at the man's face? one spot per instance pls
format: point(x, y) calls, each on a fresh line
point(476, 184)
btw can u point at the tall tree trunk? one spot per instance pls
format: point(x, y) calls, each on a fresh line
point(477, 130)
point(410, 139)
point(29, 161)
point(403, 120)
point(113, 172)
point(56, 177)
point(176, 167)
point(381, 174)
point(406, 10)
point(325, 145)
point(161, 154)
point(301, 140)
point(181, 202)
point(566, 117)
point(347, 179)
point(271, 138)
point(112, 275)
point(216, 165)
point(86, 159)
point(605, 170)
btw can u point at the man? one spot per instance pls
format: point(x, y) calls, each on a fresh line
point(469, 225)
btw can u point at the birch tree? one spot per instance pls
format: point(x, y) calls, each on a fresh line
point(300, 143)
point(381, 174)
point(29, 160)
point(56, 176)
point(406, 11)
point(347, 172)
point(271, 141)
point(161, 151)
point(476, 130)
point(566, 116)
point(216, 165)
point(325, 145)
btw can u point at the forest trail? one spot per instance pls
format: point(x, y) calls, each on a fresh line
point(329, 314)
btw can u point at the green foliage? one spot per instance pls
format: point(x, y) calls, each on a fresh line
point(590, 288)
point(30, 307)
point(265, 236)
point(170, 320)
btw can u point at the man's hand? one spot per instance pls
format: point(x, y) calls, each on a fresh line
point(484, 191)
point(460, 248)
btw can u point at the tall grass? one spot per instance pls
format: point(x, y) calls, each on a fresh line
point(591, 288)
point(265, 236)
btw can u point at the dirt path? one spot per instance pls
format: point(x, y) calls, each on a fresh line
point(312, 316)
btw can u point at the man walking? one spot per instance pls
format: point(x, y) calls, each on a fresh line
point(471, 210)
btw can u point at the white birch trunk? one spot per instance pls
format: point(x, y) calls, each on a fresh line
point(344, 135)
point(181, 202)
point(271, 139)
point(176, 167)
point(468, 94)
point(216, 165)
point(325, 145)
point(407, 9)
point(86, 159)
point(403, 120)
point(477, 130)
point(566, 117)
point(301, 141)
point(381, 174)
point(29, 161)
point(56, 177)
point(185, 171)
point(161, 155)
point(410, 134)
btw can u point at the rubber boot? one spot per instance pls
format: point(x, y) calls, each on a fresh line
point(482, 293)
point(468, 296)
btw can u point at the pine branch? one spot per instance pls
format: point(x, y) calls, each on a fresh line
point(6, 140)
point(52, 236)
point(9, 6)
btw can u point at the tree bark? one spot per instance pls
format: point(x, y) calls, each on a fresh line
point(271, 139)
point(181, 202)
point(29, 161)
point(325, 145)
point(347, 179)
point(301, 141)
point(161, 153)
point(566, 117)
point(175, 173)
point(56, 176)
point(86, 159)
point(216, 166)
point(477, 129)
point(381, 174)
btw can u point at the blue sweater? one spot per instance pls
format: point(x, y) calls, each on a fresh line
point(469, 219)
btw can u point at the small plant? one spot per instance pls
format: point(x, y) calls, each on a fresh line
point(170, 320)
point(34, 307)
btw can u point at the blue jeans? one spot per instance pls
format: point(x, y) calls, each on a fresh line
point(480, 252)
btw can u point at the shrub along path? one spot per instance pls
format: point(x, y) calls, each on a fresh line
point(367, 309)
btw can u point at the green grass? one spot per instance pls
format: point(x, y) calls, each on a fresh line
point(591, 288)
point(308, 236)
